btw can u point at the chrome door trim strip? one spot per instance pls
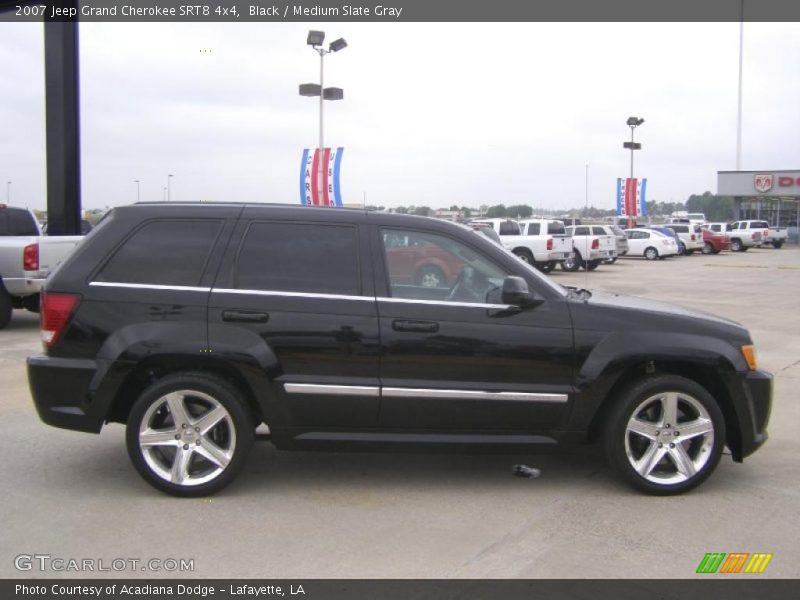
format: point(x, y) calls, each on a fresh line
point(332, 390)
point(443, 303)
point(292, 294)
point(430, 438)
point(149, 286)
point(397, 392)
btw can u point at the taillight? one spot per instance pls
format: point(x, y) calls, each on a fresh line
point(550, 244)
point(55, 311)
point(766, 233)
point(30, 257)
point(595, 244)
point(693, 237)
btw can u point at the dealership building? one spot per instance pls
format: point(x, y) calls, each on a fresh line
point(773, 196)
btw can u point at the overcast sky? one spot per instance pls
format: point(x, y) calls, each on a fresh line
point(433, 114)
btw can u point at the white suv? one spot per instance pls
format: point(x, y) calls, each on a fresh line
point(690, 236)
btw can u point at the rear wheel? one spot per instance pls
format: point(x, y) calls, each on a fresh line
point(546, 267)
point(6, 306)
point(689, 252)
point(592, 265)
point(651, 253)
point(665, 435)
point(189, 434)
point(708, 248)
point(777, 245)
point(31, 303)
point(610, 261)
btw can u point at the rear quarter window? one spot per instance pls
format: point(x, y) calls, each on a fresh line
point(164, 252)
point(17, 222)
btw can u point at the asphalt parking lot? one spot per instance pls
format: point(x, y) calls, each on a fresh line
point(301, 515)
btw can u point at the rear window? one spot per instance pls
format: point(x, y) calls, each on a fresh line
point(299, 257)
point(680, 228)
point(760, 225)
point(555, 228)
point(168, 252)
point(599, 231)
point(15, 221)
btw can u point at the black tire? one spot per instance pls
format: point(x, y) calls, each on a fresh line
point(689, 252)
point(430, 276)
point(708, 248)
point(6, 306)
point(31, 303)
point(777, 245)
point(592, 265)
point(681, 248)
point(610, 261)
point(573, 263)
point(232, 435)
point(650, 253)
point(525, 256)
point(737, 246)
point(546, 267)
point(644, 399)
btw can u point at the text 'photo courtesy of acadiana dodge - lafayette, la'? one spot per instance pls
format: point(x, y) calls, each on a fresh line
point(151, 589)
point(362, 297)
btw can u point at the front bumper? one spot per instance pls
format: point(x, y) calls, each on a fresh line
point(61, 392)
point(752, 398)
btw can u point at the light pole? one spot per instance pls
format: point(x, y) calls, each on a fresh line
point(8, 192)
point(633, 123)
point(169, 187)
point(315, 39)
point(136, 181)
point(164, 194)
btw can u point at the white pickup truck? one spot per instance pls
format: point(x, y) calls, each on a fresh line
point(747, 234)
point(26, 258)
point(591, 246)
point(543, 250)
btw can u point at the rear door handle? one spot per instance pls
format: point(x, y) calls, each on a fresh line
point(420, 326)
point(244, 316)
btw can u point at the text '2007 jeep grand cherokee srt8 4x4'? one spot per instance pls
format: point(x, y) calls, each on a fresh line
point(193, 324)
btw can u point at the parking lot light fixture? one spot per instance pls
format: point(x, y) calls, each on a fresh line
point(315, 40)
point(8, 192)
point(136, 181)
point(169, 187)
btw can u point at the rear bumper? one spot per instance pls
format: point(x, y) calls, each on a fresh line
point(23, 286)
point(61, 392)
point(753, 403)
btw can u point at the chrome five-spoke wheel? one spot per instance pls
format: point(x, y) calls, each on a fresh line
point(669, 438)
point(664, 434)
point(187, 437)
point(189, 433)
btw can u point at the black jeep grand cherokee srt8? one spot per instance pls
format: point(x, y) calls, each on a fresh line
point(195, 323)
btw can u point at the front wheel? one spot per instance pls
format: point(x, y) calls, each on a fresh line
point(189, 434)
point(651, 253)
point(572, 262)
point(525, 256)
point(665, 435)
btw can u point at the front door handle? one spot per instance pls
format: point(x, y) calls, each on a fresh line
point(244, 316)
point(419, 326)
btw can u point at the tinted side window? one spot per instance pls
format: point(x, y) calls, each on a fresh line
point(299, 257)
point(169, 252)
point(581, 231)
point(599, 231)
point(509, 228)
point(533, 228)
point(17, 222)
point(555, 228)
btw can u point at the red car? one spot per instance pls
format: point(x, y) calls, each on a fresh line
point(417, 262)
point(715, 242)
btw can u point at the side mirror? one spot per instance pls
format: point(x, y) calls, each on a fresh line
point(516, 293)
